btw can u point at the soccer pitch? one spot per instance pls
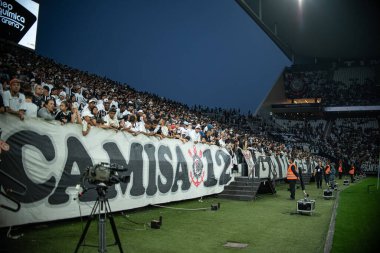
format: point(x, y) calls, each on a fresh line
point(268, 224)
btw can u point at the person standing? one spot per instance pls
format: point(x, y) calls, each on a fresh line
point(332, 175)
point(352, 172)
point(292, 177)
point(340, 169)
point(327, 172)
point(318, 174)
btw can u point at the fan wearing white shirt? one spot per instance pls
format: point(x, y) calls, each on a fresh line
point(110, 120)
point(30, 108)
point(14, 101)
point(131, 125)
point(195, 135)
point(141, 121)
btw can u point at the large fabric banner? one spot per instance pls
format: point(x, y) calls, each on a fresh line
point(46, 161)
point(273, 166)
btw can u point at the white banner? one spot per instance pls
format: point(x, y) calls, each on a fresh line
point(45, 162)
point(274, 167)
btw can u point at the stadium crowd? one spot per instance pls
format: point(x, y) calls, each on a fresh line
point(348, 83)
point(33, 86)
point(352, 140)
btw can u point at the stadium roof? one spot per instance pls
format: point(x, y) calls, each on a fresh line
point(330, 29)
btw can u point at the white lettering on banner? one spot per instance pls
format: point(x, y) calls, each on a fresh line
point(274, 167)
point(45, 162)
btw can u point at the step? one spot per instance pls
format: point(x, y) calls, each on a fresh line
point(241, 183)
point(237, 197)
point(235, 192)
point(241, 188)
point(245, 179)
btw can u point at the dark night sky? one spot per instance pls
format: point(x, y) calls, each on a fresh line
point(205, 52)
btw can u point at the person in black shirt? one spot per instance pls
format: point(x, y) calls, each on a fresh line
point(37, 96)
point(318, 174)
point(64, 115)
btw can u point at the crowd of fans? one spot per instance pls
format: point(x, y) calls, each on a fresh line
point(352, 140)
point(37, 87)
point(339, 85)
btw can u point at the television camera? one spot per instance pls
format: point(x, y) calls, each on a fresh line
point(106, 173)
point(102, 175)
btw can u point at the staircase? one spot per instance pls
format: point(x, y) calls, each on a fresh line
point(241, 189)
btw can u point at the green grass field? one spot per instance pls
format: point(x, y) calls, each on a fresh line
point(268, 224)
point(357, 226)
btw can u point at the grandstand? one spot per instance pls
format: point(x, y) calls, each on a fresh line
point(322, 107)
point(329, 98)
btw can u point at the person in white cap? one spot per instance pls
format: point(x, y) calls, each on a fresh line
point(183, 129)
point(86, 122)
point(195, 135)
point(141, 118)
point(61, 97)
point(91, 104)
point(75, 114)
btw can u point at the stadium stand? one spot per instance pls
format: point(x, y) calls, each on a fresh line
point(354, 140)
point(348, 83)
point(137, 112)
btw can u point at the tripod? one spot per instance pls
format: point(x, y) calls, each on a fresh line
point(102, 209)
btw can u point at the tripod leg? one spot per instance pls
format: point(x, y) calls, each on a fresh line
point(115, 234)
point(113, 226)
point(86, 227)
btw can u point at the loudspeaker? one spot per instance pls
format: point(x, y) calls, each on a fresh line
point(305, 206)
point(156, 224)
point(215, 207)
point(327, 193)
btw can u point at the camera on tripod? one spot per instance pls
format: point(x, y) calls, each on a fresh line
point(105, 173)
point(102, 175)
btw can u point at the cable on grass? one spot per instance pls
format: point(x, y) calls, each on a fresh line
point(15, 237)
point(184, 209)
point(145, 224)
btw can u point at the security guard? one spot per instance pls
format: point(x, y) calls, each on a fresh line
point(292, 177)
point(340, 169)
